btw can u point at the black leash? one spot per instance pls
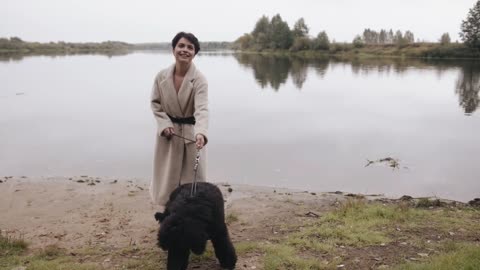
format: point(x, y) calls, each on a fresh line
point(183, 137)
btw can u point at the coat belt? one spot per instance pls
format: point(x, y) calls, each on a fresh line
point(182, 121)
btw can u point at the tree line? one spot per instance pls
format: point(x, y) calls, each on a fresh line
point(17, 45)
point(275, 34)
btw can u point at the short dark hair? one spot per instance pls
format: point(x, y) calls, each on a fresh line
point(190, 37)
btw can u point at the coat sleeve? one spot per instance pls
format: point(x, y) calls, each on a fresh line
point(163, 121)
point(201, 108)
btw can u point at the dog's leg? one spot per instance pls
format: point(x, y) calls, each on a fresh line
point(224, 250)
point(177, 259)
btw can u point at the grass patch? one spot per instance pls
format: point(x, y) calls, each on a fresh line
point(462, 257)
point(39, 263)
point(231, 218)
point(355, 223)
point(286, 257)
point(246, 247)
point(51, 252)
point(10, 245)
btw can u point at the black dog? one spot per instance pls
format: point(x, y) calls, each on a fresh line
point(189, 221)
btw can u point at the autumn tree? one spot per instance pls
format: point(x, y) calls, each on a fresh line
point(445, 39)
point(321, 42)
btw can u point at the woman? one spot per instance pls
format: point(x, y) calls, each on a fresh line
point(180, 106)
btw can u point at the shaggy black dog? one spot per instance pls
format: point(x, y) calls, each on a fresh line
point(189, 221)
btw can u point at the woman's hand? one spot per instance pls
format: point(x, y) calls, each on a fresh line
point(168, 132)
point(200, 141)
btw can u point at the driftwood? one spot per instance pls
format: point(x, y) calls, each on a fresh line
point(389, 161)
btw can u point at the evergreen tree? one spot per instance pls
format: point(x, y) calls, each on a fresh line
point(409, 37)
point(261, 33)
point(281, 37)
point(470, 28)
point(300, 29)
point(382, 37)
point(390, 37)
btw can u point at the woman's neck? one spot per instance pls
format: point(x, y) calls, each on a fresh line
point(181, 69)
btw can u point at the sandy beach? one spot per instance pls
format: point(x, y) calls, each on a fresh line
point(80, 212)
point(111, 216)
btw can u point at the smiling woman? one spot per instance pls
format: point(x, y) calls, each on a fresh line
point(180, 105)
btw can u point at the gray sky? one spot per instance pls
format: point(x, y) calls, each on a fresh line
point(215, 20)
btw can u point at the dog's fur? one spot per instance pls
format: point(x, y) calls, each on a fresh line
point(189, 221)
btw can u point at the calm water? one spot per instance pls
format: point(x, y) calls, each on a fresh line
point(282, 122)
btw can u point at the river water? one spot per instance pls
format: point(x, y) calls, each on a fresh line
point(274, 121)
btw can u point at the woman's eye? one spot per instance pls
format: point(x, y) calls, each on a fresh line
point(181, 45)
point(190, 47)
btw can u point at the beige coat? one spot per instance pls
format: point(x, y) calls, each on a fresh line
point(174, 159)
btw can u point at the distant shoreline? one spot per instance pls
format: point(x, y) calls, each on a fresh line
point(349, 51)
point(16, 46)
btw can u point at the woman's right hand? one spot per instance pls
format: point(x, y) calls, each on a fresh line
point(168, 132)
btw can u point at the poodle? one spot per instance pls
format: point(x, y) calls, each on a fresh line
point(192, 216)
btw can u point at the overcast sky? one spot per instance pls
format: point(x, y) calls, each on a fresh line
point(215, 20)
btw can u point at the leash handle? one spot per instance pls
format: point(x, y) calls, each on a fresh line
point(193, 191)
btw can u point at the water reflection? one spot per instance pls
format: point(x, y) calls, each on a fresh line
point(274, 71)
point(468, 86)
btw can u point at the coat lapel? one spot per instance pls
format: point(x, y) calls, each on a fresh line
point(186, 89)
point(171, 94)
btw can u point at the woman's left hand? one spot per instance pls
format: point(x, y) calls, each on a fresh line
point(200, 141)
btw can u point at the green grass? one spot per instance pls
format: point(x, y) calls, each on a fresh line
point(355, 223)
point(359, 224)
point(10, 245)
point(278, 257)
point(462, 257)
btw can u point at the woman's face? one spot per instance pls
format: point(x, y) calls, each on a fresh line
point(184, 51)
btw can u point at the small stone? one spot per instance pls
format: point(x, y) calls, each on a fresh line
point(341, 266)
point(422, 254)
